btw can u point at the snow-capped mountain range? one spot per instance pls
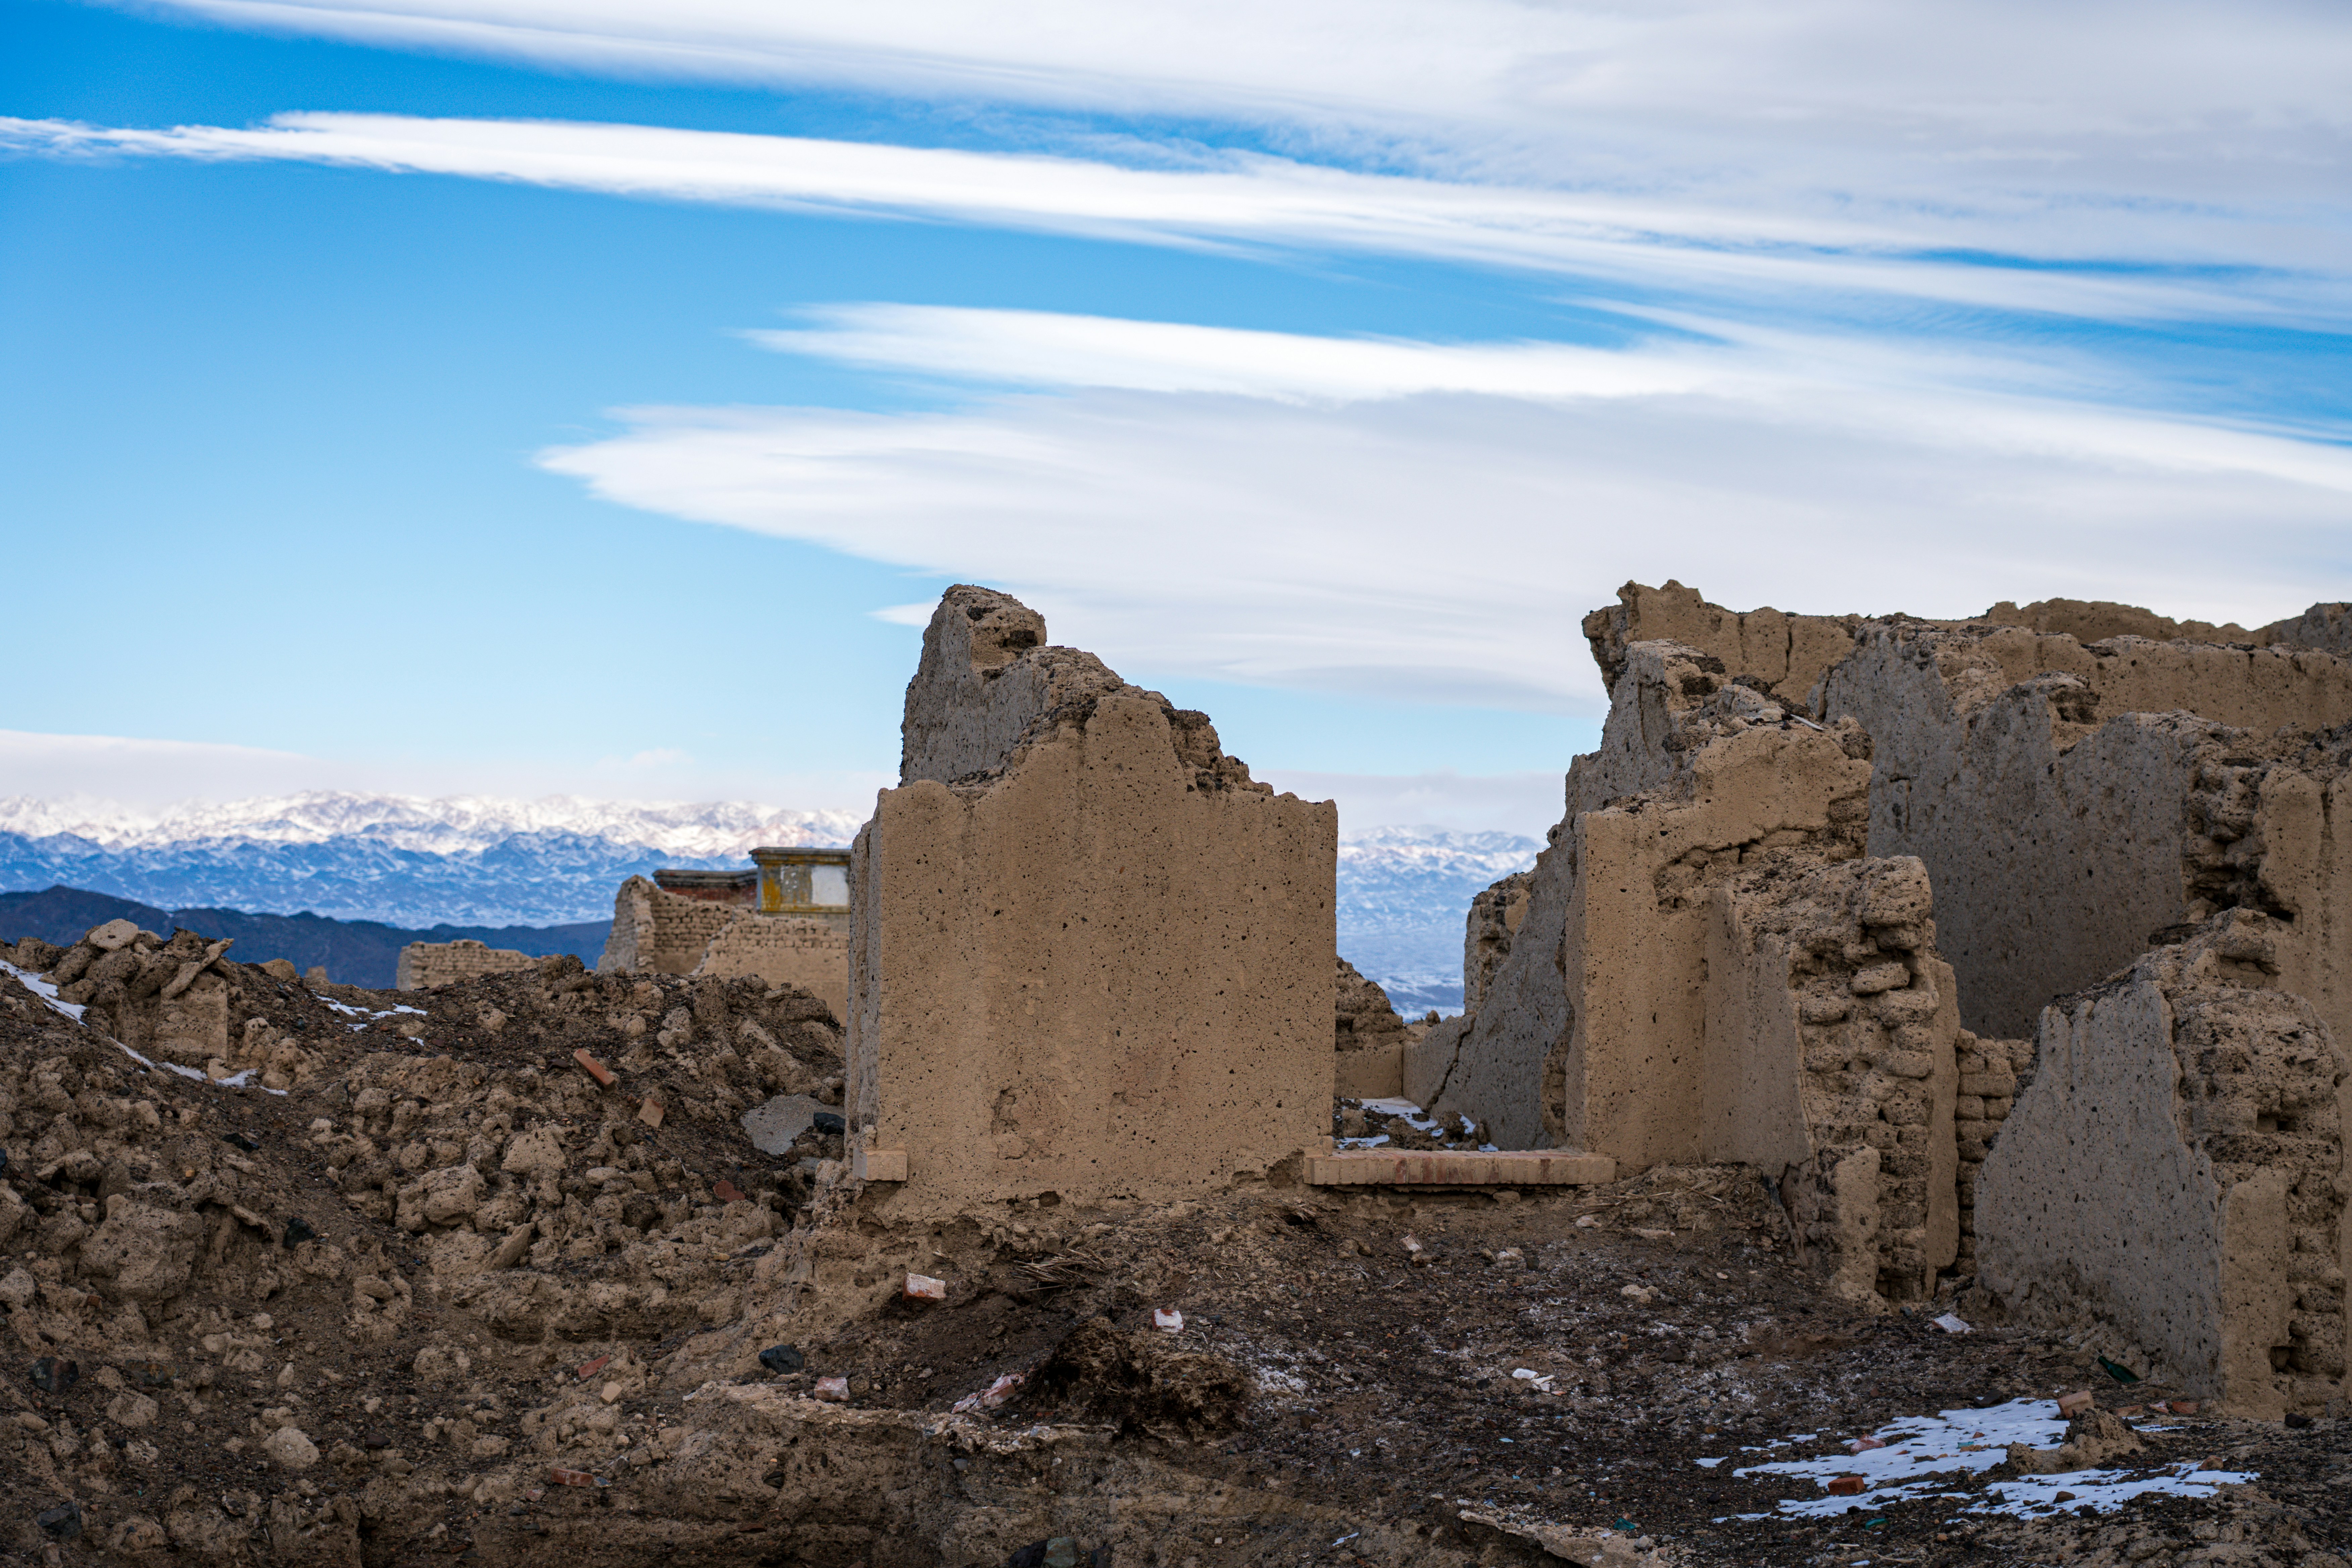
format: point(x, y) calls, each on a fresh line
point(397, 858)
point(471, 861)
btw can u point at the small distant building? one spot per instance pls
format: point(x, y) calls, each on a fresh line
point(735, 887)
point(423, 965)
point(785, 921)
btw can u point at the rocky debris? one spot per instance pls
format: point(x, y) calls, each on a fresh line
point(1363, 1019)
point(1399, 1124)
point(1495, 917)
point(517, 1326)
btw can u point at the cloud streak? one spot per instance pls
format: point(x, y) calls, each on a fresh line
point(1634, 245)
point(1427, 521)
point(1891, 100)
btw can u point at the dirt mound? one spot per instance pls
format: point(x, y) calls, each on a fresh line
point(445, 1295)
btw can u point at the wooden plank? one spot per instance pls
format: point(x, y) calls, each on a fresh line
point(1458, 1168)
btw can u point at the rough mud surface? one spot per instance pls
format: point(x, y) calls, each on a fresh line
point(517, 1324)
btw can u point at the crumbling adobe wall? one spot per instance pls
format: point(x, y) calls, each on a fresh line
point(158, 997)
point(1495, 915)
point(428, 963)
point(1101, 962)
point(661, 932)
point(785, 950)
point(1590, 1034)
point(1788, 654)
point(1368, 1037)
point(2176, 1174)
point(1493, 923)
point(1829, 1062)
point(2059, 842)
point(1993, 1073)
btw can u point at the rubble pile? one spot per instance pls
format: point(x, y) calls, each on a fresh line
point(451, 1296)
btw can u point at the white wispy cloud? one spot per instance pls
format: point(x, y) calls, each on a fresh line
point(1846, 100)
point(1428, 520)
point(1630, 244)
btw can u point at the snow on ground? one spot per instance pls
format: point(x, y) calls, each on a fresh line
point(49, 993)
point(1920, 1448)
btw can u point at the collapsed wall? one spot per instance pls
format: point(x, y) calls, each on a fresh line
point(2070, 801)
point(166, 998)
point(1587, 1033)
point(1705, 968)
point(1829, 1062)
point(2175, 1174)
point(1369, 1037)
point(423, 965)
point(799, 951)
point(1089, 955)
point(662, 932)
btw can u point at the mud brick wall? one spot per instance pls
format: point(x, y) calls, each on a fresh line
point(809, 952)
point(1992, 1074)
point(2070, 801)
point(659, 931)
point(1591, 1032)
point(1101, 965)
point(428, 963)
point(1831, 1065)
point(2175, 1174)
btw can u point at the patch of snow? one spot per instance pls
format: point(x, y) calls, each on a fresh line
point(49, 993)
point(46, 992)
point(367, 1016)
point(1961, 1441)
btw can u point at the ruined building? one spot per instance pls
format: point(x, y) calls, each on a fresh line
point(786, 921)
point(1090, 955)
point(1957, 930)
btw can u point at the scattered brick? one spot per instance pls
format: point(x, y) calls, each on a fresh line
point(593, 1068)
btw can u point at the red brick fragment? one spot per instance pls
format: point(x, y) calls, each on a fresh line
point(726, 1191)
point(593, 1367)
point(1848, 1485)
point(572, 1478)
point(593, 1068)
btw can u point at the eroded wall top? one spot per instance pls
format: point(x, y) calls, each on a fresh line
point(990, 683)
point(1788, 654)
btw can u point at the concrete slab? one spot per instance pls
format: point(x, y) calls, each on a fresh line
point(1451, 1168)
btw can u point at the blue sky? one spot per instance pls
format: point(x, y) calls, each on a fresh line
point(515, 396)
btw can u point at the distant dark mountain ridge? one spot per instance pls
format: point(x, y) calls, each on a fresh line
point(355, 953)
